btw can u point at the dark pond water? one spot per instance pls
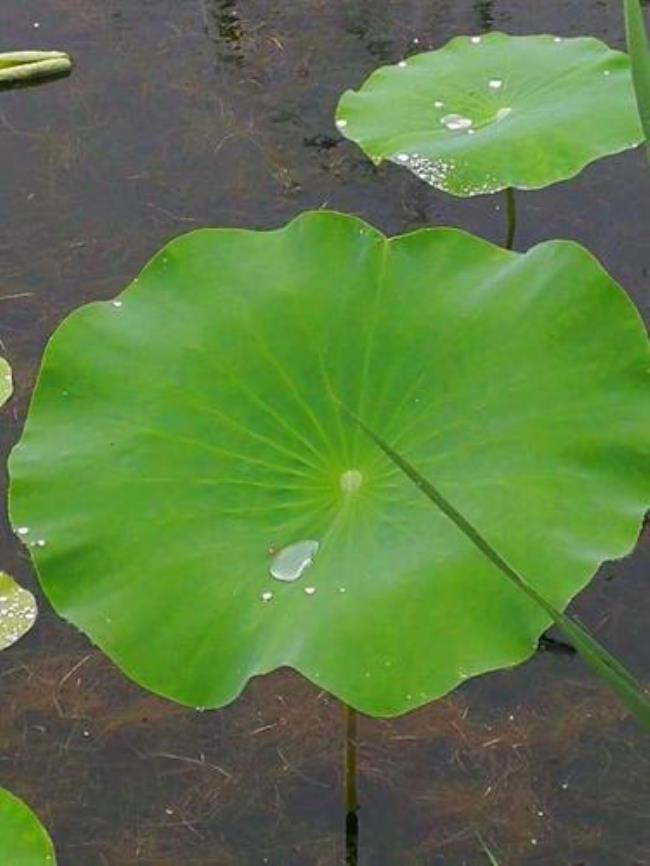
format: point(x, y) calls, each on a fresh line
point(183, 113)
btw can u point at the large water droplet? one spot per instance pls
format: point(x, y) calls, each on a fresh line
point(456, 121)
point(292, 561)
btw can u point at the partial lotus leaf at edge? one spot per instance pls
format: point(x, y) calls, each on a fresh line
point(18, 611)
point(6, 381)
point(23, 839)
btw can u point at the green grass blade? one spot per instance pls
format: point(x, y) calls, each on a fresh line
point(604, 665)
point(491, 857)
point(637, 43)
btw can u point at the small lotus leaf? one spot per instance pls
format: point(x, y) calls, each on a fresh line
point(6, 381)
point(18, 611)
point(488, 112)
point(23, 840)
point(183, 435)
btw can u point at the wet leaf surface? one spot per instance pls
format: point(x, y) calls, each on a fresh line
point(484, 113)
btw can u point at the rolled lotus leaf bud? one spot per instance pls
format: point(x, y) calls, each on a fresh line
point(26, 65)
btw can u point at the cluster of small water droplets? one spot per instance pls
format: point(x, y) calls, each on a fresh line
point(24, 531)
point(487, 186)
point(17, 611)
point(432, 171)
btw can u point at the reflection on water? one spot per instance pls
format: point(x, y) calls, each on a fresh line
point(159, 131)
point(485, 13)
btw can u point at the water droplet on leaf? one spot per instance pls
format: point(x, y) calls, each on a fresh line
point(456, 121)
point(292, 561)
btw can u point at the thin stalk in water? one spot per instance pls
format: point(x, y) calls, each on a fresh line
point(511, 217)
point(351, 793)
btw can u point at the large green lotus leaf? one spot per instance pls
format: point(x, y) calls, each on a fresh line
point(18, 611)
point(6, 381)
point(485, 113)
point(182, 435)
point(23, 840)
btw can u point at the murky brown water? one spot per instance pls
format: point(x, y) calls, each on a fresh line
point(183, 113)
